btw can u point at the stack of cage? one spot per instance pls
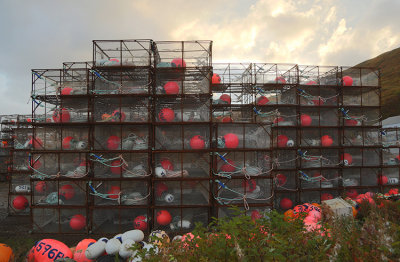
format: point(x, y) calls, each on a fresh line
point(181, 158)
point(6, 124)
point(120, 187)
point(390, 159)
point(59, 158)
point(19, 197)
point(242, 168)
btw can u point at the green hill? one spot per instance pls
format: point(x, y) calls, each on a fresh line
point(389, 64)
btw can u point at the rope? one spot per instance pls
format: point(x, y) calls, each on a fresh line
point(104, 196)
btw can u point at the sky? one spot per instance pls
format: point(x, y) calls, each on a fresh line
point(46, 33)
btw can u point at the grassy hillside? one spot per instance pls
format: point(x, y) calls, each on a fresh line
point(389, 64)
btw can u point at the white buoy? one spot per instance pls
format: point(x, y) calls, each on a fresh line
point(177, 238)
point(124, 250)
point(135, 258)
point(23, 189)
point(97, 249)
point(112, 246)
point(160, 172)
point(81, 145)
point(186, 224)
point(136, 235)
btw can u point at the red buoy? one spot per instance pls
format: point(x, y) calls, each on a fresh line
point(113, 142)
point(166, 115)
point(228, 167)
point(66, 91)
point(262, 100)
point(286, 203)
point(347, 159)
point(171, 88)
point(117, 166)
point(41, 187)
point(282, 140)
point(20, 203)
point(61, 115)
point(163, 217)
point(326, 196)
point(178, 62)
point(67, 142)
point(225, 98)
point(216, 79)
point(326, 140)
point(197, 142)
point(140, 222)
point(347, 81)
point(305, 120)
point(281, 179)
point(167, 164)
point(114, 192)
point(67, 191)
point(231, 140)
point(77, 222)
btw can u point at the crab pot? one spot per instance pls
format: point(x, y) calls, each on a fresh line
point(20, 183)
point(20, 161)
point(173, 81)
point(182, 54)
point(75, 79)
point(251, 163)
point(257, 190)
point(19, 204)
point(285, 180)
point(318, 196)
point(351, 177)
point(127, 109)
point(191, 192)
point(390, 156)
point(45, 193)
point(180, 220)
point(116, 137)
point(72, 193)
point(232, 113)
point(284, 138)
point(108, 192)
point(73, 165)
point(285, 200)
point(46, 82)
point(371, 157)
point(106, 220)
point(132, 165)
point(279, 116)
point(178, 165)
point(370, 176)
point(122, 53)
point(322, 178)
point(254, 211)
point(45, 164)
point(188, 137)
point(353, 137)
point(73, 220)
point(325, 137)
point(389, 177)
point(45, 220)
point(285, 159)
point(46, 138)
point(135, 193)
point(125, 81)
point(193, 109)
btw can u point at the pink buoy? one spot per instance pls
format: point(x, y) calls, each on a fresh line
point(50, 250)
point(79, 254)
